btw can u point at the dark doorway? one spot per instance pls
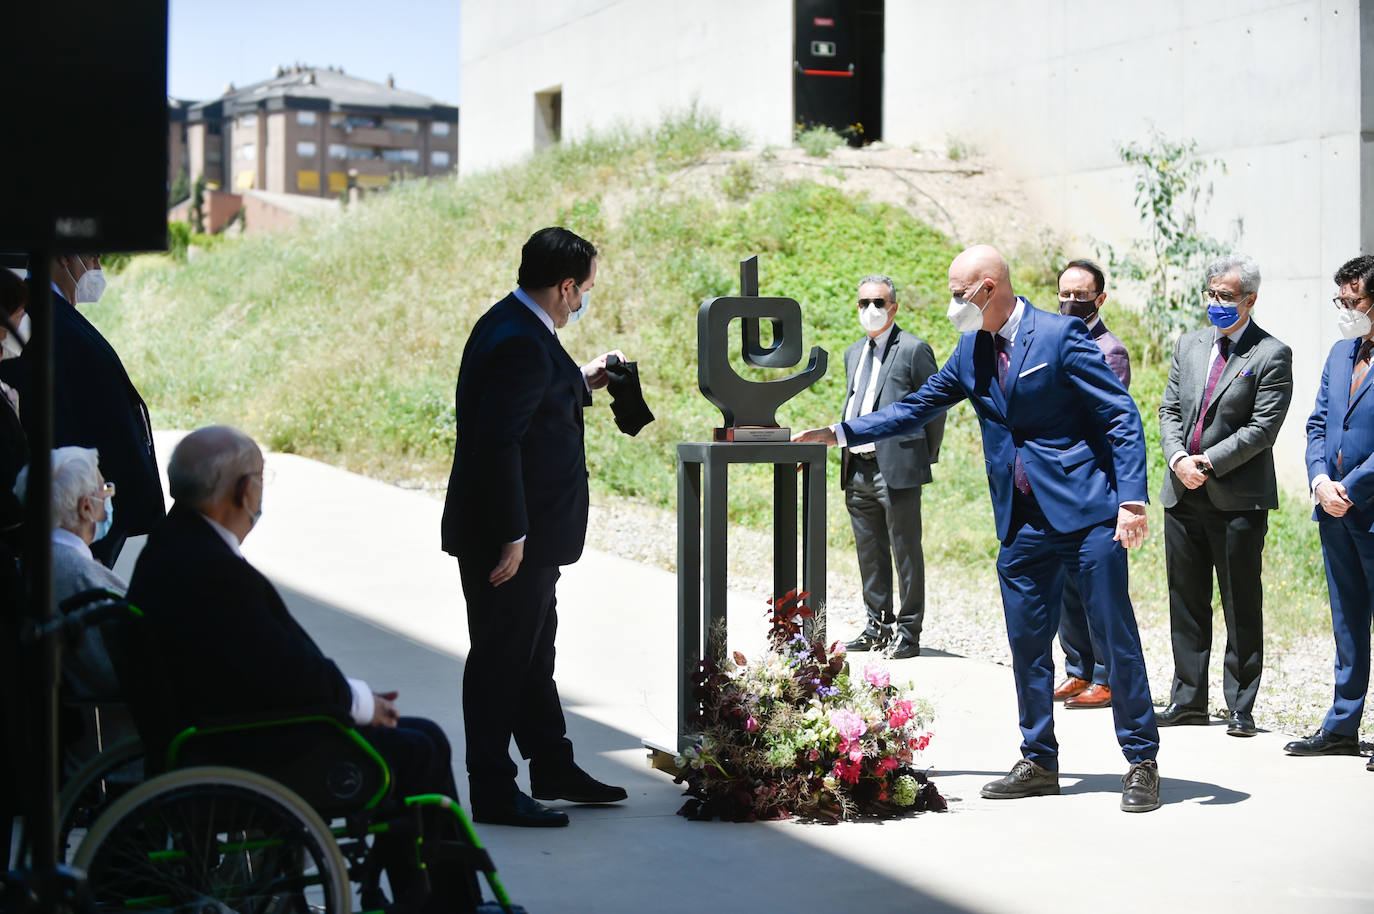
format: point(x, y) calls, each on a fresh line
point(838, 67)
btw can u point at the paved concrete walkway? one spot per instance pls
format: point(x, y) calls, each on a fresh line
point(1243, 828)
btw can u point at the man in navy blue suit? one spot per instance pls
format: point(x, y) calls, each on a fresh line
point(517, 510)
point(1340, 465)
point(1065, 456)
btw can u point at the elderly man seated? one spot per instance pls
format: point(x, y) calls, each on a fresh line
point(223, 642)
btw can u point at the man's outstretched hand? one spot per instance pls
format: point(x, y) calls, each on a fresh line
point(595, 370)
point(824, 435)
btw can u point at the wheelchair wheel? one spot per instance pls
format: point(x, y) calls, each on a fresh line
point(214, 839)
point(93, 789)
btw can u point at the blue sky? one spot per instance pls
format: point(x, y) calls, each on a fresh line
point(210, 44)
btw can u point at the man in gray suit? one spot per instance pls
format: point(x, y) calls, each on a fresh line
point(1228, 392)
point(882, 481)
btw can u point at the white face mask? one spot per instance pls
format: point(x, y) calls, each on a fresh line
point(964, 314)
point(575, 316)
point(90, 287)
point(872, 318)
point(1352, 324)
point(12, 346)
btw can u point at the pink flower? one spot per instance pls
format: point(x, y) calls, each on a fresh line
point(856, 753)
point(814, 755)
point(849, 725)
point(901, 713)
point(751, 725)
point(847, 771)
point(877, 677)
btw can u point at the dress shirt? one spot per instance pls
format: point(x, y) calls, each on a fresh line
point(61, 536)
point(1322, 477)
point(869, 395)
point(1235, 336)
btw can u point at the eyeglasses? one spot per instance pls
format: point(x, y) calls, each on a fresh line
point(1078, 296)
point(876, 302)
point(105, 491)
point(265, 475)
point(1348, 303)
point(1223, 296)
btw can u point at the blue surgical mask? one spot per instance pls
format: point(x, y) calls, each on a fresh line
point(576, 316)
point(1223, 316)
point(102, 527)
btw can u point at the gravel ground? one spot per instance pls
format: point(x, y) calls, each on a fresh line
point(964, 614)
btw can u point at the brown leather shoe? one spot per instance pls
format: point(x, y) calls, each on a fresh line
point(1070, 687)
point(1094, 696)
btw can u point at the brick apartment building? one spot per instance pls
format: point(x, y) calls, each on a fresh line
point(304, 130)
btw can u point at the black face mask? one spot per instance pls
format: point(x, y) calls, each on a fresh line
point(1083, 310)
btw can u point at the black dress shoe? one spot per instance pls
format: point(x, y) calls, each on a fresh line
point(1140, 787)
point(867, 642)
point(518, 810)
point(1026, 779)
point(1240, 724)
point(905, 650)
point(1324, 742)
point(573, 784)
point(1177, 715)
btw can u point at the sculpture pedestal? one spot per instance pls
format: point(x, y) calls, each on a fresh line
point(702, 521)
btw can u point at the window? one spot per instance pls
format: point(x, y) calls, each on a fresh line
point(548, 117)
point(338, 151)
point(439, 128)
point(401, 155)
point(248, 120)
point(336, 120)
point(248, 151)
point(358, 122)
point(362, 152)
point(305, 118)
point(439, 159)
point(306, 149)
point(401, 125)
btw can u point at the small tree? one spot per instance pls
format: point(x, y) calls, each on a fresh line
point(180, 189)
point(1171, 188)
point(198, 206)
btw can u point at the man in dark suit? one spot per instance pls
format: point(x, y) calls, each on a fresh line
point(216, 639)
point(1229, 389)
point(95, 404)
point(882, 480)
point(1340, 466)
point(1082, 293)
point(516, 510)
point(1065, 458)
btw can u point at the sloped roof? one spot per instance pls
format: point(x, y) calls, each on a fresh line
point(327, 89)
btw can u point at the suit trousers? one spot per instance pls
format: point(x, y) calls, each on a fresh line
point(1348, 553)
point(1199, 537)
point(887, 526)
point(1030, 569)
point(1082, 657)
point(508, 686)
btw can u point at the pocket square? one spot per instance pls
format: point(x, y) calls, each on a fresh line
point(1245, 374)
point(1032, 370)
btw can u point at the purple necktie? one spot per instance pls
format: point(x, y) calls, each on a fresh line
point(1219, 363)
point(1018, 473)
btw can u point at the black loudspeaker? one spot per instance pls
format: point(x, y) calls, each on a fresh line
point(83, 159)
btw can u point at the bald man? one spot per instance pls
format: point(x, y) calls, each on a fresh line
point(1065, 456)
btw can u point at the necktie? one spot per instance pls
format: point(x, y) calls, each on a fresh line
point(1219, 363)
point(865, 374)
point(1018, 473)
point(1361, 367)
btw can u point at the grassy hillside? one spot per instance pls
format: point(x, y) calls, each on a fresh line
point(341, 339)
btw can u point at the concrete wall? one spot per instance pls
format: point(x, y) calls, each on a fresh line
point(1278, 90)
point(620, 59)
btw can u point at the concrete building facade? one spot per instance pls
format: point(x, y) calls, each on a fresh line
point(1282, 91)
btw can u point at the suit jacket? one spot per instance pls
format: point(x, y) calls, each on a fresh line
point(1114, 351)
point(1343, 425)
point(215, 637)
point(907, 361)
point(14, 453)
point(96, 405)
point(1065, 414)
point(519, 467)
point(1243, 418)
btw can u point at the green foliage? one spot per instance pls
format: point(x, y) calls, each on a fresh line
point(180, 189)
point(959, 148)
point(740, 181)
point(178, 238)
point(198, 206)
point(1171, 187)
point(819, 141)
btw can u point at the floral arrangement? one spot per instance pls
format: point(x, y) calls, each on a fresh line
point(796, 733)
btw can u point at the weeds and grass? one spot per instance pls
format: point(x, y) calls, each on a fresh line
point(960, 148)
point(819, 142)
point(341, 339)
point(740, 181)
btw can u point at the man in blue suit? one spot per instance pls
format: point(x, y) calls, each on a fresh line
point(1065, 456)
point(1340, 465)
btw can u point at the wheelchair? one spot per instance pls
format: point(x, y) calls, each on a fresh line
point(260, 814)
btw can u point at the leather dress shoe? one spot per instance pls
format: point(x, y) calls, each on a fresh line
point(1177, 715)
point(867, 641)
point(1324, 742)
point(1094, 696)
point(1369, 766)
point(1240, 723)
point(905, 650)
point(1026, 779)
point(1070, 687)
point(1140, 787)
point(573, 784)
point(518, 810)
